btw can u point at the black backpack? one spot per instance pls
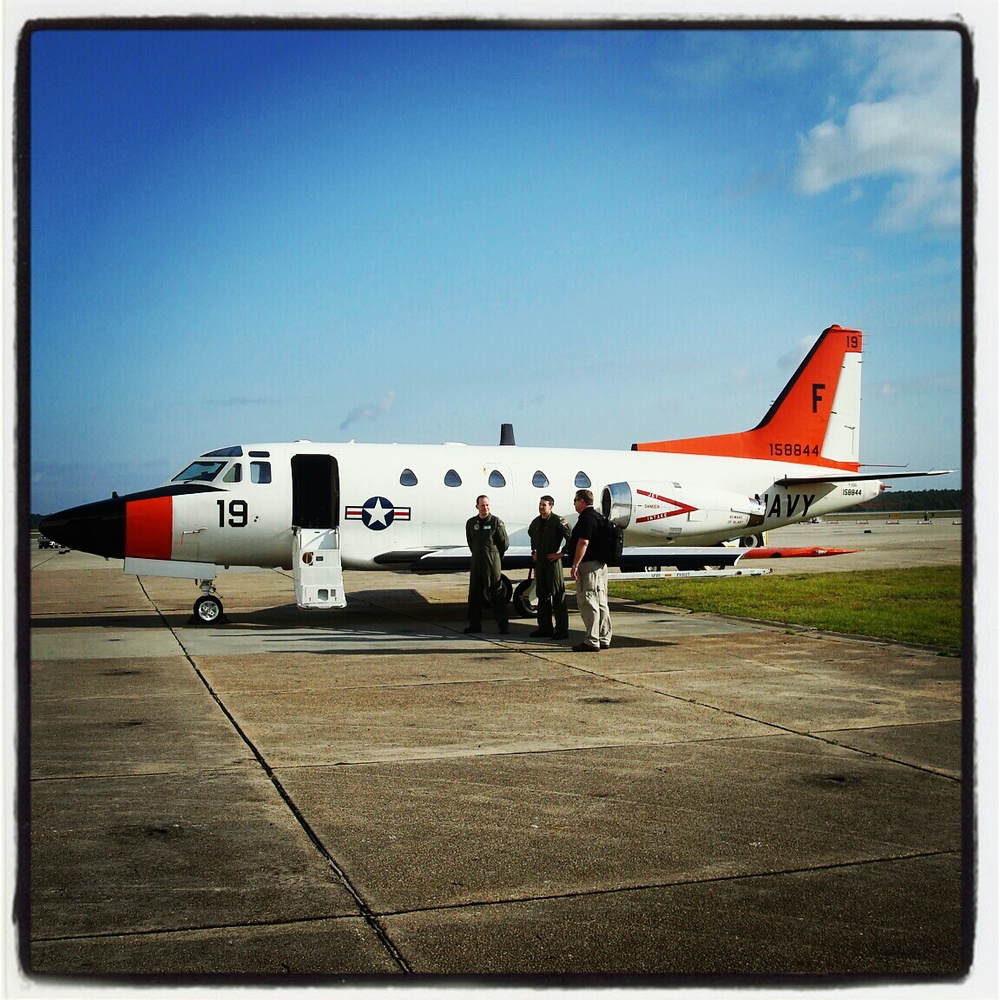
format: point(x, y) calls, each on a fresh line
point(609, 540)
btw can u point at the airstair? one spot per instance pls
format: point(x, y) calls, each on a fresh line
point(317, 568)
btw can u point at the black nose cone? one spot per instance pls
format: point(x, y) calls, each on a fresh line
point(94, 527)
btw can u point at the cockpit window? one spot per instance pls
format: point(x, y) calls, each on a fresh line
point(234, 452)
point(234, 475)
point(199, 472)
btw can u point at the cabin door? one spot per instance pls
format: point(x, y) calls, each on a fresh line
point(316, 557)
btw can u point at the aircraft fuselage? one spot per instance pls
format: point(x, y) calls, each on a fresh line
point(237, 510)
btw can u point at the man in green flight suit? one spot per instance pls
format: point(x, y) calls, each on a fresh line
point(548, 532)
point(487, 538)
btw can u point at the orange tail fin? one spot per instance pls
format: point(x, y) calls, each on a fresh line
point(815, 421)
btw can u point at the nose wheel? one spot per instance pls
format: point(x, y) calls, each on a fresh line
point(208, 608)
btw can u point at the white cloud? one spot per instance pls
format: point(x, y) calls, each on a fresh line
point(789, 361)
point(935, 199)
point(741, 374)
point(905, 125)
point(369, 411)
point(947, 382)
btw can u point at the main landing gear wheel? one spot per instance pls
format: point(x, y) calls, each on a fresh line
point(508, 590)
point(208, 610)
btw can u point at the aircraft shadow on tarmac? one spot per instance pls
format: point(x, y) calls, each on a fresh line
point(126, 619)
point(279, 616)
point(374, 617)
point(413, 642)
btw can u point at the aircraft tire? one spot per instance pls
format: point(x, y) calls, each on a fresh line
point(208, 610)
point(508, 590)
point(525, 604)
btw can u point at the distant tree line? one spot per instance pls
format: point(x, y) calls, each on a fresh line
point(914, 500)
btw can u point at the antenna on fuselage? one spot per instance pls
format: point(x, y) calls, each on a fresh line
point(507, 435)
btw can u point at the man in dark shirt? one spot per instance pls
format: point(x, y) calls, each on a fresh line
point(591, 575)
point(487, 538)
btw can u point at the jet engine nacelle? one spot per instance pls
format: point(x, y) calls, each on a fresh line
point(668, 510)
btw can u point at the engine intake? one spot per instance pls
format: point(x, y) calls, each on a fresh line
point(658, 510)
point(616, 504)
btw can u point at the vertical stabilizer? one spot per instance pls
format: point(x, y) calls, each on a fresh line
point(815, 421)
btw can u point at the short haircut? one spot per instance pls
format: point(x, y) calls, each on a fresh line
point(586, 496)
point(548, 499)
point(482, 496)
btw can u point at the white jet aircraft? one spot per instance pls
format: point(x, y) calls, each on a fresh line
point(317, 509)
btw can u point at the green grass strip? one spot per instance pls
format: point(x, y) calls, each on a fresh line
point(921, 605)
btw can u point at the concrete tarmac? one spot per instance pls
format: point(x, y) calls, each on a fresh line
point(371, 793)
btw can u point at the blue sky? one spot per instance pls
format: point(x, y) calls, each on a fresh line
point(416, 235)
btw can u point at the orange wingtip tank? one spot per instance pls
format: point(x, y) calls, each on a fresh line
point(766, 552)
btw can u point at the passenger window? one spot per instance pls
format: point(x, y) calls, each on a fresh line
point(539, 480)
point(582, 481)
point(234, 475)
point(407, 478)
point(452, 478)
point(260, 472)
point(496, 479)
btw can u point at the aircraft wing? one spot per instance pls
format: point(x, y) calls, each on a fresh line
point(452, 559)
point(635, 558)
point(855, 478)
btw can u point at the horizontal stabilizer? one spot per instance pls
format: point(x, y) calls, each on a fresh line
point(802, 480)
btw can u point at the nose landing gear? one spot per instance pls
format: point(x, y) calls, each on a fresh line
point(208, 608)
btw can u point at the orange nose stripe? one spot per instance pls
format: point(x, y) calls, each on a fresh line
point(149, 525)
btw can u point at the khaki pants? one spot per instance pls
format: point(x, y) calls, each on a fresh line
point(592, 602)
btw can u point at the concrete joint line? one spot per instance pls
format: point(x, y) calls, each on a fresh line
point(681, 883)
point(365, 910)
